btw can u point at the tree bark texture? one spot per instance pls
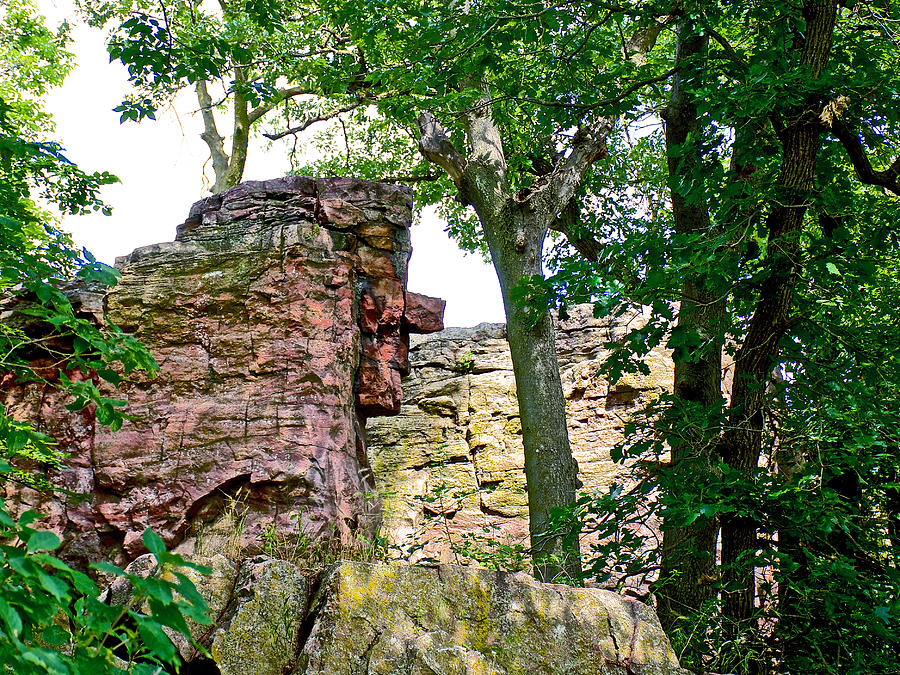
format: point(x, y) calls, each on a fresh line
point(227, 169)
point(210, 136)
point(742, 441)
point(515, 235)
point(551, 473)
point(689, 553)
point(240, 136)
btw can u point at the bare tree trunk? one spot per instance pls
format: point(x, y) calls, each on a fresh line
point(211, 137)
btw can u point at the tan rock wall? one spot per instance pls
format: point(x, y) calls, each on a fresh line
point(450, 464)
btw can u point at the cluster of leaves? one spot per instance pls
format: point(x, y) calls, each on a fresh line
point(618, 532)
point(53, 622)
point(253, 48)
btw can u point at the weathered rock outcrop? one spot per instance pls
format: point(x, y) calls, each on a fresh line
point(373, 619)
point(280, 321)
point(450, 464)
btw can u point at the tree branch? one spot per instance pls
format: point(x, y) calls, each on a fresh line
point(309, 121)
point(643, 40)
point(624, 93)
point(283, 95)
point(566, 223)
point(588, 145)
point(725, 45)
point(552, 196)
point(889, 178)
point(438, 149)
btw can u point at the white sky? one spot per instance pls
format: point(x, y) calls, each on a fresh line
point(161, 165)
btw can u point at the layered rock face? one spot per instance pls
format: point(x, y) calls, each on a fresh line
point(370, 618)
point(280, 319)
point(449, 466)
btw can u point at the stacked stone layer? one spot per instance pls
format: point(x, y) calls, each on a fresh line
point(449, 467)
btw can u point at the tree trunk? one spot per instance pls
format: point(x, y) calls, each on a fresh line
point(240, 137)
point(516, 238)
point(211, 137)
point(742, 442)
point(515, 232)
point(689, 553)
point(228, 170)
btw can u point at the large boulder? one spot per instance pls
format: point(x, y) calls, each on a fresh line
point(368, 618)
point(456, 620)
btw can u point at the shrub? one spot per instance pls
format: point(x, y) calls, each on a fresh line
point(53, 622)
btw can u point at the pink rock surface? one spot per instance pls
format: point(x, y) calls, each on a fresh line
point(424, 314)
point(280, 320)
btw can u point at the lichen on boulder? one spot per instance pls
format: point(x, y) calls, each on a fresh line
point(374, 618)
point(261, 626)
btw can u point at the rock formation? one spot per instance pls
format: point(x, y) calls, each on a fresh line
point(279, 318)
point(280, 321)
point(450, 464)
point(355, 617)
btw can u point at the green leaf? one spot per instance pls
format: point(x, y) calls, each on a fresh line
point(154, 638)
point(42, 540)
point(28, 517)
point(10, 618)
point(49, 661)
point(154, 543)
point(55, 636)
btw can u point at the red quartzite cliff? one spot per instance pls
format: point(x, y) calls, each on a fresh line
point(280, 319)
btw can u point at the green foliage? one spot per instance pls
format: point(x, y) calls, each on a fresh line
point(823, 498)
point(52, 621)
point(617, 526)
point(465, 363)
point(46, 338)
point(256, 50)
point(493, 549)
